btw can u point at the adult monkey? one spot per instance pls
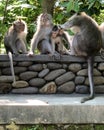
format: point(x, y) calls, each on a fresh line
point(102, 33)
point(86, 43)
point(101, 27)
point(41, 38)
point(15, 42)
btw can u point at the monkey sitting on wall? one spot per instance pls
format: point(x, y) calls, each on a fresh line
point(86, 43)
point(15, 38)
point(41, 38)
point(102, 33)
point(15, 41)
point(57, 39)
point(101, 27)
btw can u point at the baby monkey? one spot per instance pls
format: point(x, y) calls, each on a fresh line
point(58, 39)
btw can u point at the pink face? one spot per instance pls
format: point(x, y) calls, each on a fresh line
point(19, 26)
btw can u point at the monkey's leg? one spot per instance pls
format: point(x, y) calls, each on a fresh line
point(20, 44)
point(34, 43)
point(91, 82)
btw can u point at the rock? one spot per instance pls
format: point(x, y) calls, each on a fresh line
point(20, 84)
point(79, 79)
point(44, 66)
point(43, 73)
point(53, 66)
point(82, 89)
point(7, 79)
point(54, 74)
point(98, 80)
point(74, 67)
point(5, 87)
point(37, 82)
point(0, 71)
point(65, 66)
point(25, 63)
point(84, 72)
point(28, 75)
point(67, 87)
point(65, 78)
point(85, 65)
point(17, 70)
point(101, 66)
point(36, 67)
point(99, 89)
point(6, 64)
point(28, 90)
point(49, 88)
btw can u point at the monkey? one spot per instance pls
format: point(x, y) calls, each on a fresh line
point(101, 27)
point(41, 38)
point(58, 38)
point(15, 42)
point(15, 38)
point(86, 43)
point(102, 33)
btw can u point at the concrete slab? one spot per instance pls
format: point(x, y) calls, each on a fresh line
point(51, 109)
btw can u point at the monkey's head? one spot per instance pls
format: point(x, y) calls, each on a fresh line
point(74, 20)
point(56, 31)
point(19, 26)
point(44, 20)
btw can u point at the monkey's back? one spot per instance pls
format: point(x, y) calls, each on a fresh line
point(87, 42)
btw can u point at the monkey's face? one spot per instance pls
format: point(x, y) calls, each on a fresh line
point(19, 26)
point(46, 19)
point(75, 20)
point(55, 34)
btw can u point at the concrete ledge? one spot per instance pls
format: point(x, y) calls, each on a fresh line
point(50, 109)
point(47, 58)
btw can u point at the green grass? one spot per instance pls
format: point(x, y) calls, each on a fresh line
point(62, 127)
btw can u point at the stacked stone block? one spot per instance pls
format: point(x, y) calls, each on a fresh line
point(45, 75)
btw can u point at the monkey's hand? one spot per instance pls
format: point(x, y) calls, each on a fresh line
point(30, 53)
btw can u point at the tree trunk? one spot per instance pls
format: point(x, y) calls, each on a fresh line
point(48, 6)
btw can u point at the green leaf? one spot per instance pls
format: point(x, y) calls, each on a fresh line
point(91, 4)
point(76, 6)
point(70, 5)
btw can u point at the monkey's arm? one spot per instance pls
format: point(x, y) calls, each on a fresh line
point(34, 42)
point(53, 46)
point(67, 38)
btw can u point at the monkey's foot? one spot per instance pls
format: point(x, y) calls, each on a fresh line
point(87, 98)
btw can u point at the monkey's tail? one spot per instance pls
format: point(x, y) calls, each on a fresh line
point(91, 82)
point(11, 66)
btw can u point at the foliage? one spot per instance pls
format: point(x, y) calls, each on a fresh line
point(65, 8)
point(28, 10)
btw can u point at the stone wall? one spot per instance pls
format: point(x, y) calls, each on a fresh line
point(49, 75)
